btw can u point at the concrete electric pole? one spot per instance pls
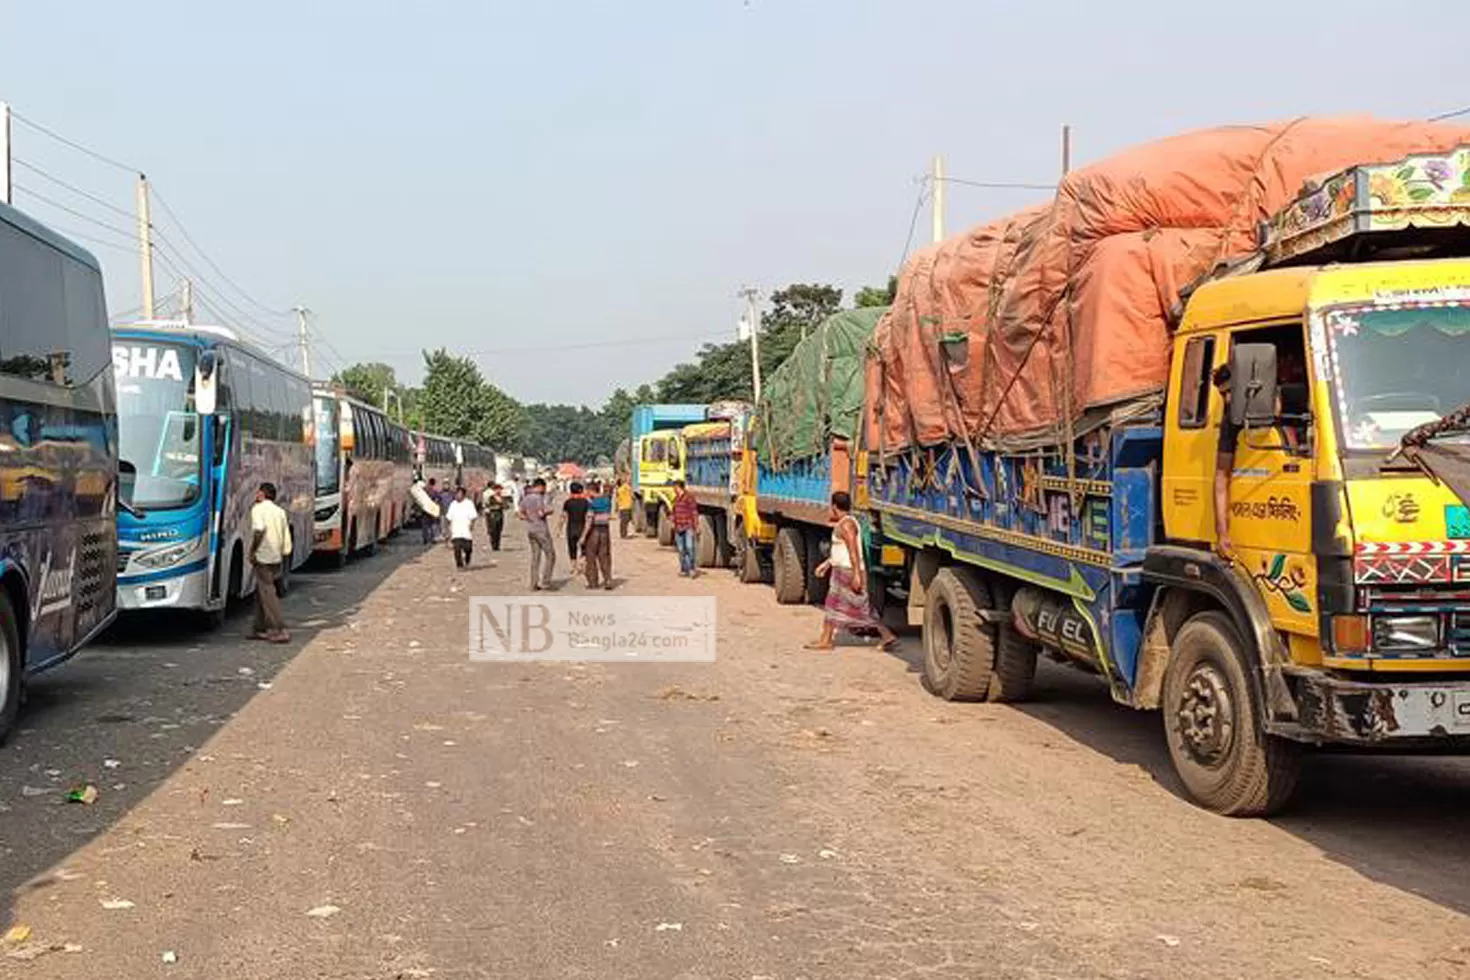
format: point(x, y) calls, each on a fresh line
point(186, 301)
point(752, 326)
point(145, 246)
point(301, 339)
point(5, 188)
point(936, 199)
point(1066, 150)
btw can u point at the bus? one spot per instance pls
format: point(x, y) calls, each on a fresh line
point(203, 420)
point(454, 463)
point(364, 468)
point(58, 455)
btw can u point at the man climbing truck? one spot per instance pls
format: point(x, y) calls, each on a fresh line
point(1054, 481)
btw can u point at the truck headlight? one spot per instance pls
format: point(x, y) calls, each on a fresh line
point(170, 554)
point(1403, 633)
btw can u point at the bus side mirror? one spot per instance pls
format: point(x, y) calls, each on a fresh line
point(206, 374)
point(1253, 384)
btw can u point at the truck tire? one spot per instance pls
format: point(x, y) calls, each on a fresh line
point(790, 562)
point(665, 526)
point(1213, 723)
point(640, 518)
point(959, 649)
point(747, 558)
point(706, 545)
point(1014, 673)
point(818, 546)
point(724, 551)
point(12, 667)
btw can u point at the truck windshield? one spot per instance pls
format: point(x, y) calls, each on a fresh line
point(158, 430)
point(328, 477)
point(1396, 369)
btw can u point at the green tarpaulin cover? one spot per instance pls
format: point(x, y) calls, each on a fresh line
point(817, 392)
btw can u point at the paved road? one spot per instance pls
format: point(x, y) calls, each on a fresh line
point(781, 814)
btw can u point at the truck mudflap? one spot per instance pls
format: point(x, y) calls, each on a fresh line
point(1421, 714)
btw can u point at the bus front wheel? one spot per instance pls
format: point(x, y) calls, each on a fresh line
point(12, 667)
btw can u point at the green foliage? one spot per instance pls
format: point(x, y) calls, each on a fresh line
point(457, 401)
point(367, 381)
point(877, 295)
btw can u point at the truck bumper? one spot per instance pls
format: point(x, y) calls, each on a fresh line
point(1408, 715)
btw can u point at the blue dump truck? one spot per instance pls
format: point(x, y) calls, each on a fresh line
point(804, 440)
point(655, 461)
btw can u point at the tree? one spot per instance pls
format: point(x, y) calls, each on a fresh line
point(367, 381)
point(455, 400)
point(801, 305)
point(877, 295)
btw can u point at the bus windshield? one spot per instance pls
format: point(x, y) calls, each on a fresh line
point(328, 474)
point(1397, 368)
point(158, 430)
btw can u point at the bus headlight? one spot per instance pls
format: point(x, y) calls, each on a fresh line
point(1405, 633)
point(170, 554)
point(326, 513)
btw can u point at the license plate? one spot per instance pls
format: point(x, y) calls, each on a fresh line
point(1461, 704)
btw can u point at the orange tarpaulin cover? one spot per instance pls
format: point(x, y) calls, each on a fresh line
point(1005, 333)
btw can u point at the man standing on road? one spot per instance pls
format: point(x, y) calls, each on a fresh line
point(686, 524)
point(534, 510)
point(270, 543)
point(574, 520)
point(597, 538)
point(461, 518)
point(429, 523)
point(624, 501)
point(494, 505)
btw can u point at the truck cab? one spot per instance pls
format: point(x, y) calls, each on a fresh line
point(661, 459)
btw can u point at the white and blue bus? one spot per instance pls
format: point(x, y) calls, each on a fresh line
point(58, 455)
point(203, 420)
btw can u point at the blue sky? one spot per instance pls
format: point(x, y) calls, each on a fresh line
point(509, 179)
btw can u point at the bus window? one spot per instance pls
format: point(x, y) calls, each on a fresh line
point(328, 476)
point(156, 432)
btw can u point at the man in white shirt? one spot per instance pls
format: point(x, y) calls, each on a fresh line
point(461, 517)
point(270, 548)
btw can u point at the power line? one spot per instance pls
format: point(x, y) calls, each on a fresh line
point(1002, 185)
point(164, 247)
point(914, 222)
point(209, 261)
point(593, 345)
point(73, 144)
point(1451, 115)
point(72, 211)
point(75, 190)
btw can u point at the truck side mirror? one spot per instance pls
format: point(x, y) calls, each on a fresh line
point(1252, 384)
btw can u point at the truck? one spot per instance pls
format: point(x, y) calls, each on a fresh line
point(803, 449)
point(1307, 587)
point(716, 457)
point(657, 449)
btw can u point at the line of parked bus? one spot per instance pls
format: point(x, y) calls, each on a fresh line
point(130, 457)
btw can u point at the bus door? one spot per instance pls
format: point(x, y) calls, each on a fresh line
point(218, 434)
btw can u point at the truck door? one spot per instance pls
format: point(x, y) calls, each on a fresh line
point(1270, 489)
point(1190, 439)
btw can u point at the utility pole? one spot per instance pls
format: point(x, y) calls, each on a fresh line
point(186, 303)
point(1066, 150)
point(5, 188)
point(145, 246)
point(301, 339)
point(753, 327)
point(936, 200)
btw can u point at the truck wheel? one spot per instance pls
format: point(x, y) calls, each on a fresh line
point(790, 564)
point(12, 667)
point(747, 558)
point(706, 546)
point(640, 518)
point(1212, 720)
point(959, 649)
point(665, 527)
point(724, 552)
point(818, 546)
point(1014, 673)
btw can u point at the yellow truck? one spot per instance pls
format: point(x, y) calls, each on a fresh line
point(1334, 609)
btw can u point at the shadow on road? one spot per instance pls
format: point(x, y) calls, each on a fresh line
point(1399, 820)
point(135, 706)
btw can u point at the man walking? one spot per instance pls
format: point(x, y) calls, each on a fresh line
point(624, 501)
point(686, 523)
point(574, 520)
point(597, 538)
point(461, 518)
point(534, 510)
point(270, 544)
point(429, 523)
point(494, 505)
